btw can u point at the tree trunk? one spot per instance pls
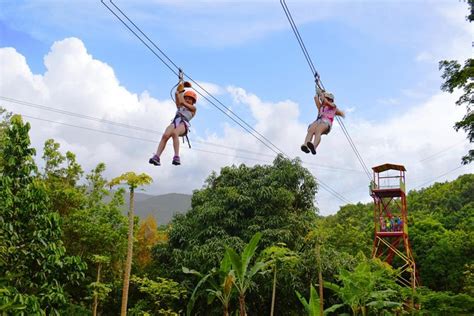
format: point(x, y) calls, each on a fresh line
point(274, 290)
point(96, 301)
point(226, 310)
point(320, 276)
point(242, 305)
point(128, 263)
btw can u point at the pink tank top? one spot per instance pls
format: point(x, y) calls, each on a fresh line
point(328, 112)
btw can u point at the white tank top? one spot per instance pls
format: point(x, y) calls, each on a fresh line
point(185, 112)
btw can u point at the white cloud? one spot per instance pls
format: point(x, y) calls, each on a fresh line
point(208, 23)
point(425, 57)
point(351, 109)
point(212, 88)
point(414, 93)
point(76, 82)
point(388, 101)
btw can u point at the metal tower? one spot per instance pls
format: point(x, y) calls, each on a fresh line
point(390, 218)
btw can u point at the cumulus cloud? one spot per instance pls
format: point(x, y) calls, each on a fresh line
point(388, 101)
point(425, 57)
point(77, 82)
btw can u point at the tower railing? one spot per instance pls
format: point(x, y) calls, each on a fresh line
point(391, 243)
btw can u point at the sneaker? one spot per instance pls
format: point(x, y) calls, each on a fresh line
point(304, 148)
point(311, 147)
point(155, 160)
point(176, 161)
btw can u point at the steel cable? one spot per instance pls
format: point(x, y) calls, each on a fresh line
point(319, 81)
point(250, 129)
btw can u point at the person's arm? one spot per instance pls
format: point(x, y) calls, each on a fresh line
point(191, 107)
point(179, 92)
point(180, 101)
point(317, 101)
point(340, 112)
point(176, 97)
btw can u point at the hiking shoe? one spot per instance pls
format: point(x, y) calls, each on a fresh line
point(304, 148)
point(155, 160)
point(311, 147)
point(176, 161)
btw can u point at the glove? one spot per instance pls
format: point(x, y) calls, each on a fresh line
point(180, 88)
point(187, 84)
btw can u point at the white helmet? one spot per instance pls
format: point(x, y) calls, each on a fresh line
point(329, 95)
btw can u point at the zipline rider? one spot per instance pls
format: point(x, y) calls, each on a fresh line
point(185, 99)
point(327, 110)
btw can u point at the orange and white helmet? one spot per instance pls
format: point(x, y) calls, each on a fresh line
point(191, 94)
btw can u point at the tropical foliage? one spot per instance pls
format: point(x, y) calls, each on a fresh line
point(462, 77)
point(252, 243)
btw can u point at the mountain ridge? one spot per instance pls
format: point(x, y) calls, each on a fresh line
point(163, 207)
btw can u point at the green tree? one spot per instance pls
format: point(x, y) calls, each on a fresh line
point(450, 203)
point(457, 77)
point(98, 228)
point(311, 306)
point(34, 262)
point(441, 255)
point(350, 230)
point(220, 285)
point(133, 181)
point(276, 200)
point(278, 257)
point(469, 279)
point(244, 272)
point(445, 303)
point(371, 285)
point(158, 297)
point(99, 289)
point(4, 124)
point(62, 181)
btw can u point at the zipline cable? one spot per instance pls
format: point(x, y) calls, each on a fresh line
point(319, 81)
point(266, 143)
point(298, 37)
point(324, 186)
point(329, 189)
point(356, 151)
point(442, 151)
point(195, 82)
point(141, 129)
point(212, 152)
point(446, 173)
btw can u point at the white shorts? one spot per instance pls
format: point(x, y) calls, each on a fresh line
point(322, 121)
point(178, 120)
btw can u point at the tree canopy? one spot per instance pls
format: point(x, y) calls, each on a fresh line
point(462, 77)
point(253, 237)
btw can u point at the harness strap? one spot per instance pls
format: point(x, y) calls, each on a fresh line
point(187, 130)
point(187, 139)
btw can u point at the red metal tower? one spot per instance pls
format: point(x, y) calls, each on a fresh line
point(390, 218)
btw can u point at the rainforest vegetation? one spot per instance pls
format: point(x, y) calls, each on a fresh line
point(253, 243)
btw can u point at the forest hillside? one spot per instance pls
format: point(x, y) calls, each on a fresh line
point(253, 243)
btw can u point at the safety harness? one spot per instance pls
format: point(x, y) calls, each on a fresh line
point(184, 120)
point(180, 115)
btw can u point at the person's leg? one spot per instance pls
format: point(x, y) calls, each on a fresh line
point(179, 130)
point(309, 137)
point(164, 139)
point(310, 134)
point(320, 130)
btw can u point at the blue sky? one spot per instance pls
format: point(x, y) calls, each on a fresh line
point(380, 58)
